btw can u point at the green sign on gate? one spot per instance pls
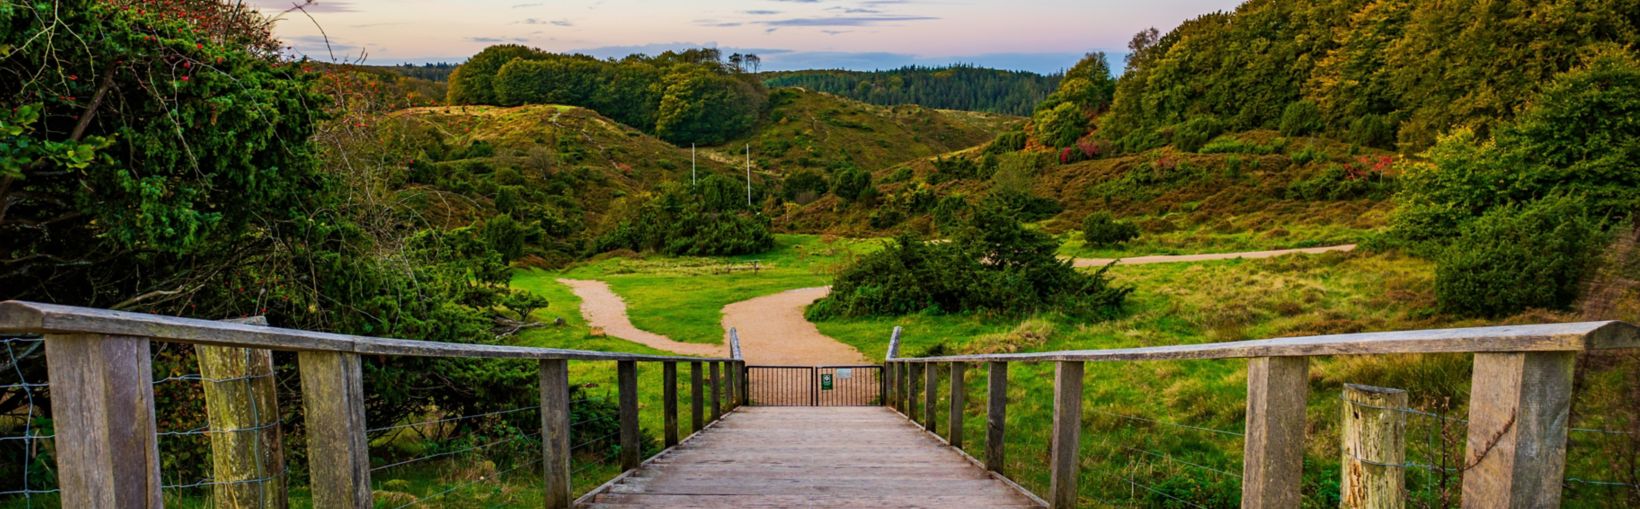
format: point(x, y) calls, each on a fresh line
point(825, 382)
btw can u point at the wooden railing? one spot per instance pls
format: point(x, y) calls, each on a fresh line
point(1519, 406)
point(100, 375)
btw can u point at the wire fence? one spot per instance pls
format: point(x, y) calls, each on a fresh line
point(27, 471)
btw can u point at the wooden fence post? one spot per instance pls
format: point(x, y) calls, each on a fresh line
point(102, 397)
point(669, 401)
point(914, 381)
point(931, 395)
point(1519, 414)
point(717, 392)
point(333, 408)
point(626, 374)
point(745, 384)
point(891, 390)
point(1273, 454)
point(697, 398)
point(1373, 444)
point(996, 415)
point(242, 407)
point(1067, 434)
point(954, 419)
point(555, 430)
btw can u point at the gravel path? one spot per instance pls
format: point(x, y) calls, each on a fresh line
point(773, 331)
point(1140, 260)
point(603, 309)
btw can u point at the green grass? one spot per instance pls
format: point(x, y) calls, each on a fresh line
point(1201, 239)
point(683, 298)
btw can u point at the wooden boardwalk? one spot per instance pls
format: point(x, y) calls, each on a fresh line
point(811, 457)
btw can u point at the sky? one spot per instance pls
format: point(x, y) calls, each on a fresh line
point(1037, 35)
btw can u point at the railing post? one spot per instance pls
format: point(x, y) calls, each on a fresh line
point(717, 392)
point(1373, 444)
point(908, 391)
point(729, 384)
point(555, 430)
point(954, 421)
point(626, 373)
point(913, 379)
point(1273, 454)
point(890, 399)
point(242, 407)
point(697, 398)
point(1067, 434)
point(669, 401)
point(814, 386)
point(931, 393)
point(1519, 413)
point(745, 384)
point(996, 415)
point(102, 397)
point(338, 451)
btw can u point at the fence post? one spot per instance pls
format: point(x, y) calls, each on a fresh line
point(914, 381)
point(745, 384)
point(669, 401)
point(242, 408)
point(697, 398)
point(1067, 434)
point(626, 374)
point(890, 391)
point(717, 392)
point(996, 415)
point(729, 384)
point(333, 407)
point(931, 395)
point(1374, 447)
point(1273, 454)
point(1519, 412)
point(555, 430)
point(954, 421)
point(102, 395)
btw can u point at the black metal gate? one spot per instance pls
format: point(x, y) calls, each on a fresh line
point(815, 385)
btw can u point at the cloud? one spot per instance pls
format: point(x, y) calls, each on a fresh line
point(658, 48)
point(762, 12)
point(844, 21)
point(521, 6)
point(314, 6)
point(835, 32)
point(553, 22)
point(855, 10)
point(717, 24)
point(497, 40)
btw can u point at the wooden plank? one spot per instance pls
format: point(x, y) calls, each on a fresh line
point(626, 375)
point(242, 408)
point(1519, 413)
point(669, 402)
point(1065, 451)
point(555, 429)
point(954, 413)
point(697, 398)
point(931, 395)
point(717, 392)
point(102, 398)
point(1273, 455)
point(32, 317)
point(996, 416)
point(333, 408)
point(1373, 445)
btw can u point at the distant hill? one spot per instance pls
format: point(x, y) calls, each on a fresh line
point(958, 87)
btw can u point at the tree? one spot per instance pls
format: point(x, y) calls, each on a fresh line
point(736, 60)
point(754, 61)
point(474, 81)
point(700, 106)
point(1061, 126)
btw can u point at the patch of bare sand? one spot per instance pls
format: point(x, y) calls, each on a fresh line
point(773, 331)
point(604, 309)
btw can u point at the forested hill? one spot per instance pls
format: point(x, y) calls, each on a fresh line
point(958, 87)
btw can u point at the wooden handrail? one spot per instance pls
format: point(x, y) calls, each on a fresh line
point(37, 318)
point(1562, 337)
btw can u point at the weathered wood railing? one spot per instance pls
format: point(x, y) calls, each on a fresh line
point(100, 374)
point(1519, 407)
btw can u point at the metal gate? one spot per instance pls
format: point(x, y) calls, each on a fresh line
point(815, 385)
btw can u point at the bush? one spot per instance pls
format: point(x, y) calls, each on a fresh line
point(850, 183)
point(1009, 141)
point(803, 186)
point(1100, 229)
point(1301, 118)
point(1192, 134)
point(710, 219)
point(1371, 131)
point(1517, 257)
point(993, 264)
point(1061, 125)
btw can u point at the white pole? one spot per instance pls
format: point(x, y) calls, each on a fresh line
point(748, 174)
point(691, 164)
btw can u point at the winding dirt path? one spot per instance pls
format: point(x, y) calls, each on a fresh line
point(604, 309)
point(1141, 260)
point(773, 331)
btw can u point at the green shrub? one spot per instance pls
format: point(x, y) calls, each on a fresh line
point(1371, 130)
point(850, 183)
point(1301, 118)
point(1009, 141)
point(993, 264)
point(803, 186)
point(1518, 257)
point(1192, 134)
point(1061, 125)
point(1100, 229)
point(709, 219)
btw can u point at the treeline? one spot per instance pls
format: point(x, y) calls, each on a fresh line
point(957, 87)
point(682, 97)
point(439, 72)
point(1380, 73)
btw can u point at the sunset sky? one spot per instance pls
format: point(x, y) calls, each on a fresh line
point(1042, 36)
